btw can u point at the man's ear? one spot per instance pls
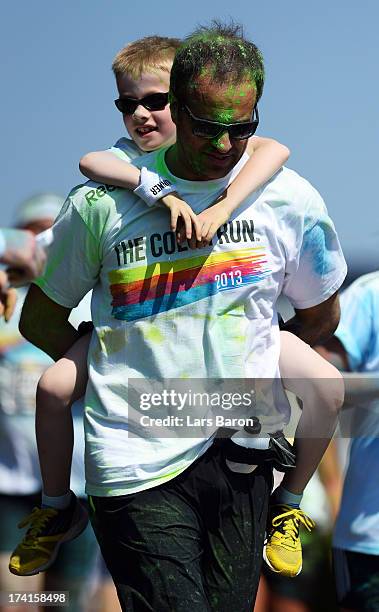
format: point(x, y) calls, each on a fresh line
point(174, 107)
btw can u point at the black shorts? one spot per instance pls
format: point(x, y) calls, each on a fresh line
point(357, 580)
point(192, 544)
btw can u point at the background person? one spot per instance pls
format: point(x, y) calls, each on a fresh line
point(19, 250)
point(21, 365)
point(355, 348)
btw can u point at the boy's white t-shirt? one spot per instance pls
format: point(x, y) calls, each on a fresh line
point(163, 311)
point(126, 149)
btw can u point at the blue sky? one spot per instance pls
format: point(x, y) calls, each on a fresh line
point(320, 97)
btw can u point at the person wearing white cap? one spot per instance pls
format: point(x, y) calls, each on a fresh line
point(21, 251)
point(25, 259)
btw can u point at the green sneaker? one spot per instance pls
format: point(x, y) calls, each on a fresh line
point(49, 528)
point(282, 551)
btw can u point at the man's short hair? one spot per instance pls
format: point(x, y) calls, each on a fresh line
point(221, 52)
point(144, 55)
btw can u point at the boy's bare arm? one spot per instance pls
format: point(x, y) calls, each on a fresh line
point(45, 324)
point(104, 166)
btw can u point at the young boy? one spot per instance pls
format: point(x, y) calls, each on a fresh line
point(142, 73)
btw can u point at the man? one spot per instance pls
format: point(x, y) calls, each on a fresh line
point(177, 528)
point(355, 348)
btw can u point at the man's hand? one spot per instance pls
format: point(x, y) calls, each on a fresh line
point(8, 297)
point(23, 256)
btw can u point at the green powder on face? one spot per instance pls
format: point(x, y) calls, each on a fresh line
point(217, 142)
point(231, 91)
point(224, 116)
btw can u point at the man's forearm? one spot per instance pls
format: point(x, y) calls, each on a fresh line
point(45, 324)
point(311, 332)
point(54, 342)
point(314, 325)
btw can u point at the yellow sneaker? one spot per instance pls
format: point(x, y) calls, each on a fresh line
point(282, 550)
point(49, 528)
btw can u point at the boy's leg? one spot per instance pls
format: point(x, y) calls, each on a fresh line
point(61, 517)
point(60, 386)
point(320, 388)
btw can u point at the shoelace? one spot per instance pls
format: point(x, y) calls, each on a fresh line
point(37, 519)
point(290, 520)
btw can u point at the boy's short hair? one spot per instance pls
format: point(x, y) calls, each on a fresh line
point(142, 55)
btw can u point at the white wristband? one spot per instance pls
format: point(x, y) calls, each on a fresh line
point(153, 187)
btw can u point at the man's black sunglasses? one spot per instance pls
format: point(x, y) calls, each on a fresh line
point(212, 129)
point(153, 102)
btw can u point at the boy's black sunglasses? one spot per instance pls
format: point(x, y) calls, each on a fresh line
point(212, 129)
point(153, 102)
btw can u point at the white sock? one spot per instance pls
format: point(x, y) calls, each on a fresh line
point(60, 502)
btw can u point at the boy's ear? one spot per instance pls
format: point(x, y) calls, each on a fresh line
point(173, 107)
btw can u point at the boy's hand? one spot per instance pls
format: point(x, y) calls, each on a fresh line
point(8, 297)
point(188, 225)
point(210, 220)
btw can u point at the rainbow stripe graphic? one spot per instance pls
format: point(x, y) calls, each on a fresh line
point(152, 289)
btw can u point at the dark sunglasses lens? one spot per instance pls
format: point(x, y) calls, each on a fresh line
point(204, 129)
point(243, 130)
point(156, 101)
point(125, 106)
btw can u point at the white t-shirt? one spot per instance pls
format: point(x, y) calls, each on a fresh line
point(126, 149)
point(163, 311)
